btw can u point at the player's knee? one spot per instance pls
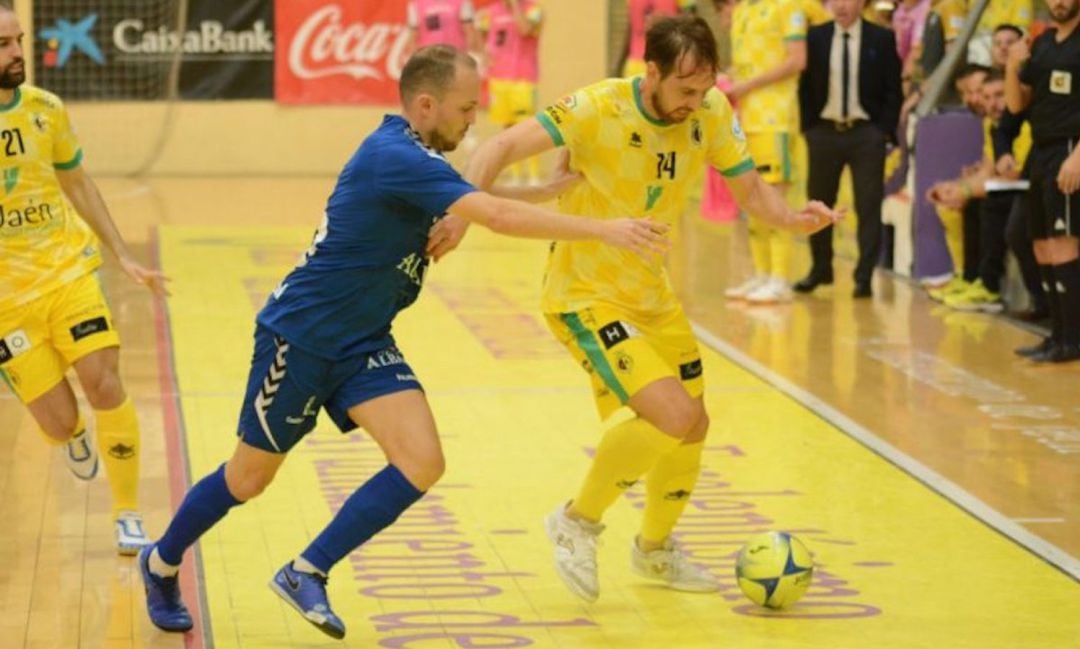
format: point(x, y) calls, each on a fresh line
point(104, 389)
point(423, 469)
point(680, 422)
point(248, 485)
point(700, 429)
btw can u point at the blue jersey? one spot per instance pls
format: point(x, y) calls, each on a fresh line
point(367, 260)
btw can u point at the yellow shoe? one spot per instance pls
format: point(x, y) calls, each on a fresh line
point(976, 298)
point(954, 286)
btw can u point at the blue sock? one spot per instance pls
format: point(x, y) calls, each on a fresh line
point(375, 505)
point(204, 505)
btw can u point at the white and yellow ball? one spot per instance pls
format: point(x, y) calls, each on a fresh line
point(774, 569)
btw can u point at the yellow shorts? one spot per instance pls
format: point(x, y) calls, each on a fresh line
point(633, 67)
point(624, 353)
point(772, 153)
point(40, 340)
point(511, 101)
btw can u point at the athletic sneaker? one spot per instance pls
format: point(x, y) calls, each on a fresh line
point(742, 290)
point(130, 535)
point(954, 286)
point(976, 298)
point(774, 291)
point(575, 552)
point(81, 456)
point(306, 592)
point(670, 565)
point(163, 602)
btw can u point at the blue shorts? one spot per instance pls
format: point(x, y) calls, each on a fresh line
point(287, 386)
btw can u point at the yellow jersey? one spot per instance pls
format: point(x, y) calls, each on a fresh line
point(43, 242)
point(1011, 12)
point(633, 166)
point(816, 13)
point(952, 13)
point(760, 32)
point(1021, 146)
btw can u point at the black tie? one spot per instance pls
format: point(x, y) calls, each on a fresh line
point(846, 77)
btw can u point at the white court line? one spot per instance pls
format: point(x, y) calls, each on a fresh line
point(1038, 520)
point(1049, 552)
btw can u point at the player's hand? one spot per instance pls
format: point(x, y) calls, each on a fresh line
point(737, 91)
point(643, 236)
point(445, 235)
point(947, 194)
point(1006, 167)
point(152, 279)
point(816, 216)
point(1068, 179)
point(1019, 52)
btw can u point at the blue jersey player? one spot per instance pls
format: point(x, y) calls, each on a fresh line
point(323, 340)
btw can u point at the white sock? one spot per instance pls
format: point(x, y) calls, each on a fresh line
point(301, 564)
point(159, 567)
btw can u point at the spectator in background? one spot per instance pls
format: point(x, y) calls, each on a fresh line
point(984, 293)
point(442, 22)
point(1004, 36)
point(512, 35)
point(849, 96)
point(998, 12)
point(639, 15)
point(908, 22)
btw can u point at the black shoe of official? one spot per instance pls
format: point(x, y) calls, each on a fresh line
point(862, 290)
point(812, 281)
point(1059, 353)
point(1035, 350)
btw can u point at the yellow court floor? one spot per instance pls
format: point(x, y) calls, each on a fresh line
point(898, 564)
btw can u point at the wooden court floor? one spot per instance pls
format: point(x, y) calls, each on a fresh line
point(933, 476)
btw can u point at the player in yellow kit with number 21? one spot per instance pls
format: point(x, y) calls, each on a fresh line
point(641, 145)
point(52, 312)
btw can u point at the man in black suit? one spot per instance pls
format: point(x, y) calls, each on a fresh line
point(850, 98)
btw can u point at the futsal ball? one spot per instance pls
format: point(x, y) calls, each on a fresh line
point(774, 569)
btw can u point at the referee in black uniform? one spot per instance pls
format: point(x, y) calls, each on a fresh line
point(1046, 79)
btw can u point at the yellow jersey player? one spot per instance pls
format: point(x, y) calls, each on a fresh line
point(768, 45)
point(52, 312)
point(641, 146)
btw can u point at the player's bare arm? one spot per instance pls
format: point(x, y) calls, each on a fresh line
point(1017, 94)
point(763, 200)
point(793, 64)
point(83, 193)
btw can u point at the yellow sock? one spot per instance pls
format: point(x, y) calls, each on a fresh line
point(667, 490)
point(80, 426)
point(780, 243)
point(118, 445)
point(759, 246)
point(952, 221)
point(626, 452)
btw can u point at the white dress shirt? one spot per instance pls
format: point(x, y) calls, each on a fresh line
point(833, 109)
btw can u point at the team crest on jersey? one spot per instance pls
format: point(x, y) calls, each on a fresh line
point(569, 101)
point(695, 132)
point(1061, 82)
point(624, 362)
point(736, 129)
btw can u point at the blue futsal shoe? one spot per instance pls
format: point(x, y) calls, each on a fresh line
point(307, 593)
point(163, 603)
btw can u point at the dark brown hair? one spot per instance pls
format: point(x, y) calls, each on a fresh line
point(431, 69)
point(670, 39)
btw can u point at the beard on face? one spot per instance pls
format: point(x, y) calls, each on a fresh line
point(1066, 13)
point(671, 117)
point(441, 143)
point(9, 78)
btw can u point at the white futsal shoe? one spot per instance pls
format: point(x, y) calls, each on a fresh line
point(81, 456)
point(130, 534)
point(575, 552)
point(742, 290)
point(773, 291)
point(670, 565)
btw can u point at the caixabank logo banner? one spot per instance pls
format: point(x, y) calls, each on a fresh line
point(123, 50)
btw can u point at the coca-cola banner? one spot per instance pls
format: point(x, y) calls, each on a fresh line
point(118, 49)
point(339, 51)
